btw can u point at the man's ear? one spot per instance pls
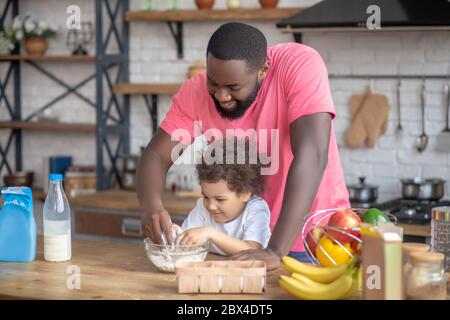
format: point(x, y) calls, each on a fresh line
point(263, 71)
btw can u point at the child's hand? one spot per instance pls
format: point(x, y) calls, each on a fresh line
point(196, 236)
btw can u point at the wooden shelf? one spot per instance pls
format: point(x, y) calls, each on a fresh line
point(364, 29)
point(178, 17)
point(146, 88)
point(49, 126)
point(212, 15)
point(65, 58)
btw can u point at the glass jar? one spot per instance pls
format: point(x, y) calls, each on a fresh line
point(426, 279)
point(440, 233)
point(408, 248)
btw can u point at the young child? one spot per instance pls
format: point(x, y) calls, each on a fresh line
point(231, 213)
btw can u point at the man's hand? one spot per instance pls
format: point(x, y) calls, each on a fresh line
point(151, 179)
point(156, 221)
point(271, 259)
point(196, 236)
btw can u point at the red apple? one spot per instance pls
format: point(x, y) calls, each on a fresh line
point(345, 220)
point(314, 234)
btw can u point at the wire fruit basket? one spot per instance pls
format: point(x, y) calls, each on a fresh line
point(333, 236)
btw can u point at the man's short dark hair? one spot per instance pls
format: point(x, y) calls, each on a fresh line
point(239, 41)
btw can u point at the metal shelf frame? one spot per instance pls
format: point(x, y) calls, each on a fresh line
point(11, 7)
point(112, 12)
point(151, 103)
point(112, 112)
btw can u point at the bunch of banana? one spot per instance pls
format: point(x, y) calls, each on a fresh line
point(319, 283)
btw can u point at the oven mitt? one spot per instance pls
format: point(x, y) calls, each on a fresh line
point(369, 114)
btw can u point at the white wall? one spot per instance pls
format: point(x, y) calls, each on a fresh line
point(153, 59)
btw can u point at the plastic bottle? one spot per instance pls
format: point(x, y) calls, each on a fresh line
point(57, 222)
point(17, 225)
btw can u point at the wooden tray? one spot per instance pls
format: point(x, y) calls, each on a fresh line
point(221, 276)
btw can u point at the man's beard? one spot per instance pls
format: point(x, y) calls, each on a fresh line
point(240, 108)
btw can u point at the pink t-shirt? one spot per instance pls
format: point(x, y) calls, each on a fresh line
point(296, 85)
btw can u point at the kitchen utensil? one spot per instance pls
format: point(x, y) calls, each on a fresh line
point(19, 179)
point(422, 140)
point(164, 257)
point(423, 189)
point(369, 118)
point(443, 139)
point(221, 277)
point(362, 192)
point(399, 113)
point(440, 233)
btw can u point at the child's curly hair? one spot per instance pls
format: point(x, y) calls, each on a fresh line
point(242, 174)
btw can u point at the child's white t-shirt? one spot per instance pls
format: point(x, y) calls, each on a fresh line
point(252, 224)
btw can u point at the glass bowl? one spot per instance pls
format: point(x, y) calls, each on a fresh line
point(165, 257)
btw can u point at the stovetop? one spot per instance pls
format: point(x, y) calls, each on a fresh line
point(411, 211)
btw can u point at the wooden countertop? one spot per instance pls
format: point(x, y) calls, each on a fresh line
point(420, 230)
point(108, 271)
point(128, 201)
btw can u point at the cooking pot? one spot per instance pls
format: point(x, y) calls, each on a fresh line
point(362, 192)
point(423, 189)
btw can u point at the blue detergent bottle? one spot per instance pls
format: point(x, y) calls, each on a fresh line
point(17, 225)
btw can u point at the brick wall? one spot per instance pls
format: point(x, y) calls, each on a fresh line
point(153, 59)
